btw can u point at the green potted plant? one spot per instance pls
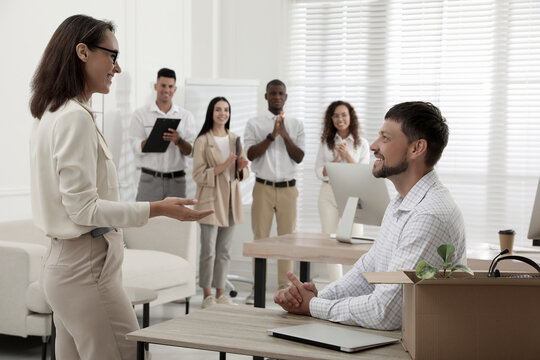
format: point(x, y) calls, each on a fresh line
point(426, 271)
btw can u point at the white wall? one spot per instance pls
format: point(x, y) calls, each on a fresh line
point(234, 39)
point(197, 38)
point(26, 28)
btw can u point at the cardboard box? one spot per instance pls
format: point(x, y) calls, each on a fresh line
point(468, 317)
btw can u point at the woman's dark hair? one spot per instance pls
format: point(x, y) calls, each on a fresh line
point(329, 130)
point(422, 120)
point(209, 120)
point(60, 75)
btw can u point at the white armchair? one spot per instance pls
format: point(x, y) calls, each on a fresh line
point(23, 309)
point(160, 256)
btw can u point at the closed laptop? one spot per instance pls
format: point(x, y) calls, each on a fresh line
point(332, 337)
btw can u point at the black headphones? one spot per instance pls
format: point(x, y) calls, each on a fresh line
point(493, 273)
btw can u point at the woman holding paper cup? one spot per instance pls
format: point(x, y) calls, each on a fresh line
point(340, 142)
point(219, 164)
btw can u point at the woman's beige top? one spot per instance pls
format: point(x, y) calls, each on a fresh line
point(214, 191)
point(73, 177)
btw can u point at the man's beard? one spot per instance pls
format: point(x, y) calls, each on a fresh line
point(387, 171)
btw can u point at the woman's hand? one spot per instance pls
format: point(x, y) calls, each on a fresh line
point(242, 163)
point(175, 208)
point(227, 164)
point(230, 160)
point(343, 152)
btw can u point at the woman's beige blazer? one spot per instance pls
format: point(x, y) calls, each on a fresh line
point(213, 192)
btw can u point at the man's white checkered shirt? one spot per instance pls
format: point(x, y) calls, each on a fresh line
point(412, 229)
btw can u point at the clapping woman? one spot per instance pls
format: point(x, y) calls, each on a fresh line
point(219, 165)
point(340, 142)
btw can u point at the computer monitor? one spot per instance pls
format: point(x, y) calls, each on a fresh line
point(360, 196)
point(534, 226)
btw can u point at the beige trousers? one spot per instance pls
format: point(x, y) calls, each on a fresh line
point(82, 281)
point(268, 200)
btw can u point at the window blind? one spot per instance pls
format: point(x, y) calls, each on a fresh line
point(476, 60)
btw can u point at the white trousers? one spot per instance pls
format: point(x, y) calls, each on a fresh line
point(328, 212)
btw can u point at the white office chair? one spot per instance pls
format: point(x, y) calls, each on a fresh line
point(237, 278)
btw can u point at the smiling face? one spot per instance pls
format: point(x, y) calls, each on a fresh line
point(165, 88)
point(99, 66)
point(221, 113)
point(341, 118)
point(390, 150)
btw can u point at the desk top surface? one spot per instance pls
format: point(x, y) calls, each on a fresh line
point(311, 247)
point(242, 330)
point(317, 247)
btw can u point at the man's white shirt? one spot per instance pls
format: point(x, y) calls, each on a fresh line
point(172, 159)
point(412, 229)
point(275, 164)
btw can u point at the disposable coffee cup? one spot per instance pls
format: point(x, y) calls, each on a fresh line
point(506, 239)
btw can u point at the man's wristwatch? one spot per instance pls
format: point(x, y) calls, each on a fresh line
point(180, 141)
point(270, 137)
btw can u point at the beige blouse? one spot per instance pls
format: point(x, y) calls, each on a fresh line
point(74, 185)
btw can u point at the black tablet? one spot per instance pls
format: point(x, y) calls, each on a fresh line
point(155, 142)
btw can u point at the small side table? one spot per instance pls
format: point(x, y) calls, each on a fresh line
point(139, 296)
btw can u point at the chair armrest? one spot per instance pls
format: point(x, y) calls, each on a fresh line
point(20, 265)
point(167, 235)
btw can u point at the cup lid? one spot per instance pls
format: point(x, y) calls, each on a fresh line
point(507, 232)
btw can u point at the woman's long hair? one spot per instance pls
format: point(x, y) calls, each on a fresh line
point(209, 120)
point(329, 130)
point(59, 76)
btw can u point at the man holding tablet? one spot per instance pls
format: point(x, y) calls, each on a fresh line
point(417, 221)
point(162, 173)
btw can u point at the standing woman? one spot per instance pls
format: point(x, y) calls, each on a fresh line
point(340, 142)
point(219, 165)
point(75, 195)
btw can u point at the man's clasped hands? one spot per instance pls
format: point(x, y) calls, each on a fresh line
point(296, 297)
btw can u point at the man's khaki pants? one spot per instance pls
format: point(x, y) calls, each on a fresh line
point(268, 200)
point(82, 281)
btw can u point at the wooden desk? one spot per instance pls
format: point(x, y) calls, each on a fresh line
point(242, 330)
point(303, 247)
point(312, 247)
point(480, 255)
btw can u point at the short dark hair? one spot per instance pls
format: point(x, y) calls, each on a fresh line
point(209, 120)
point(168, 73)
point(422, 120)
point(275, 82)
point(59, 76)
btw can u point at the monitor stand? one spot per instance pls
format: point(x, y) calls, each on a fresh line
point(536, 242)
point(346, 224)
point(344, 230)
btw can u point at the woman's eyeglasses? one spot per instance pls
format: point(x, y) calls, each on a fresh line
point(115, 52)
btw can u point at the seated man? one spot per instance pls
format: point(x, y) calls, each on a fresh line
point(419, 219)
